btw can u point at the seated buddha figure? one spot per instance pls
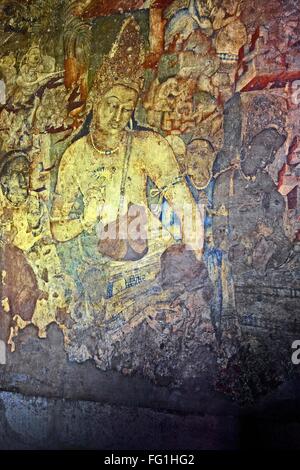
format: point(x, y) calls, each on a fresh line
point(110, 168)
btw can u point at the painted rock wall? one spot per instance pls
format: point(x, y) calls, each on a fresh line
point(149, 186)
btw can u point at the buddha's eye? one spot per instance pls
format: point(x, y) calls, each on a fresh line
point(112, 104)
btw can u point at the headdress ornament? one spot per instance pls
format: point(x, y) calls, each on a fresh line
point(124, 64)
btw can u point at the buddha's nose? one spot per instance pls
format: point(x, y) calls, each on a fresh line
point(118, 113)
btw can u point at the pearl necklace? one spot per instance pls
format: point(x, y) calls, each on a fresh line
point(104, 152)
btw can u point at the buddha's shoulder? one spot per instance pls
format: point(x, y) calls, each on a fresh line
point(78, 144)
point(149, 139)
point(75, 150)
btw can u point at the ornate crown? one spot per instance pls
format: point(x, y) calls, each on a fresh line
point(124, 64)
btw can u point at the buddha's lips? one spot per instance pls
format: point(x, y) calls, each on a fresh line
point(115, 125)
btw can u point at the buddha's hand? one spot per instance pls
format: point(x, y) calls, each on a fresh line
point(91, 215)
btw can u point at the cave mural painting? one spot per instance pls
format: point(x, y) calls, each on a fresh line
point(149, 184)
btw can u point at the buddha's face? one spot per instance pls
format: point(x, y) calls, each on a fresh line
point(114, 110)
point(15, 181)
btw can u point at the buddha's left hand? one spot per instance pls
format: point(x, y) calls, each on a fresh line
point(91, 213)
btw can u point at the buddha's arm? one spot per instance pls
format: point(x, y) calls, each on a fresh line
point(165, 172)
point(67, 229)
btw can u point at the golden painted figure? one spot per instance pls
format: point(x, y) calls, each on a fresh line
point(109, 168)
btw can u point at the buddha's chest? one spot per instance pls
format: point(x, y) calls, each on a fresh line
point(108, 177)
